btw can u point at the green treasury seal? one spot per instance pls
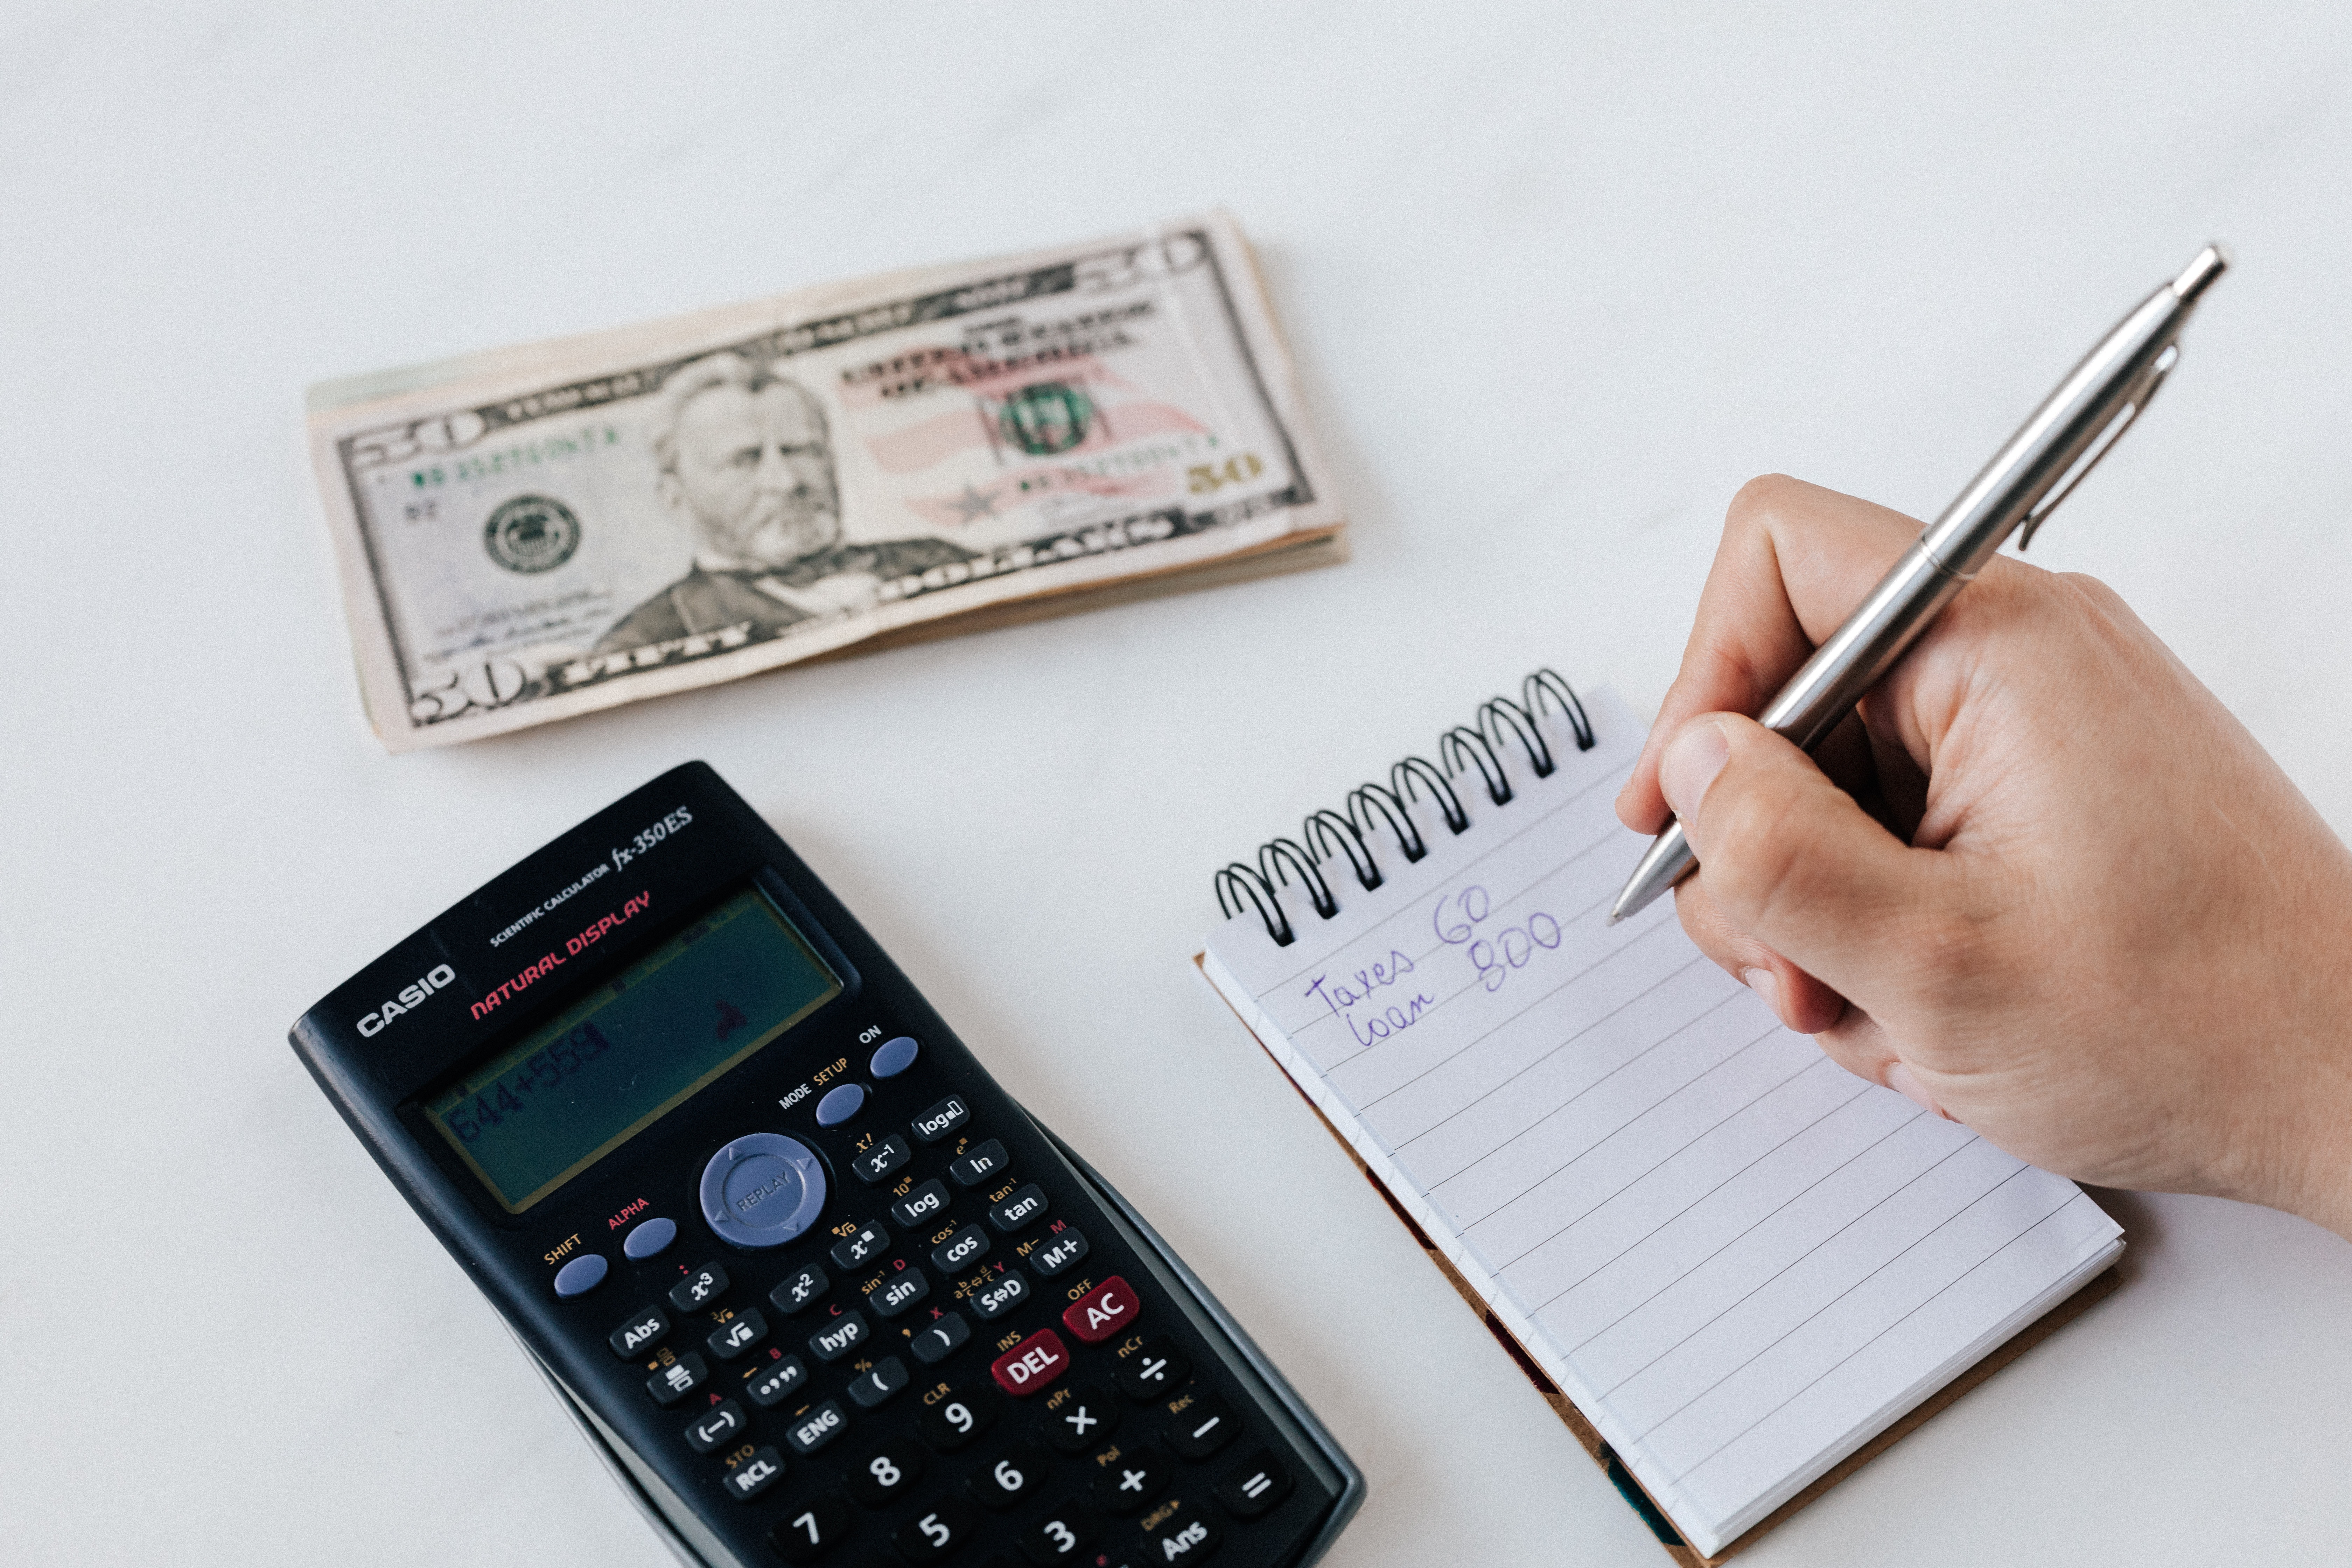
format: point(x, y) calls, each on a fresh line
point(532, 534)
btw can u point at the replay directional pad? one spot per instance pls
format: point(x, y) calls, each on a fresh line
point(762, 1190)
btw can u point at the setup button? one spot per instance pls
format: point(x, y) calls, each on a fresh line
point(762, 1190)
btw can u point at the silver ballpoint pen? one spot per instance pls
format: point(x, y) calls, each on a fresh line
point(2039, 467)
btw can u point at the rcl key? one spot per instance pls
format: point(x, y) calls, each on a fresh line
point(755, 1474)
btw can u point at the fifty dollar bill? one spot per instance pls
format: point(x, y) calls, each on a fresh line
point(538, 531)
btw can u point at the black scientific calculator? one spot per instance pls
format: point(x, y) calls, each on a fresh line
point(812, 1285)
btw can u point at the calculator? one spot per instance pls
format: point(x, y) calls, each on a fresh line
point(812, 1284)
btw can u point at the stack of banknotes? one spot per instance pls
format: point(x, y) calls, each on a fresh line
point(538, 531)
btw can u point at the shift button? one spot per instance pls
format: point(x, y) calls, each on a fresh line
point(580, 1276)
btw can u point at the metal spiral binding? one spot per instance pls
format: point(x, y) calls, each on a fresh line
point(1372, 806)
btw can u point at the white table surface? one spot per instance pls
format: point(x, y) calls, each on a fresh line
point(1558, 280)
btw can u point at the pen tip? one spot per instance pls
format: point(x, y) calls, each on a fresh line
point(1614, 916)
point(2211, 263)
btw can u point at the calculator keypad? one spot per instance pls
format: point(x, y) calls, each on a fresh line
point(930, 1463)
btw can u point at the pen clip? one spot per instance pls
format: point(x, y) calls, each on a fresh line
point(2145, 390)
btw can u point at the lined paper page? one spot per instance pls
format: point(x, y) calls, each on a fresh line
point(1739, 1261)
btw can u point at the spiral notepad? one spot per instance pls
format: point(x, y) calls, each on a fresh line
point(1738, 1262)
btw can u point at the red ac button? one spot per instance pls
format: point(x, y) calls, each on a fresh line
point(1102, 1311)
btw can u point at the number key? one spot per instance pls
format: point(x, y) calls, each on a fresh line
point(811, 1529)
point(931, 1536)
point(884, 1477)
point(1011, 1477)
point(961, 1418)
point(699, 1288)
point(1060, 1536)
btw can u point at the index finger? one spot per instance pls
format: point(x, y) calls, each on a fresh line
point(1794, 561)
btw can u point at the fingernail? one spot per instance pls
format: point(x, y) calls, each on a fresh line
point(1766, 987)
point(1904, 1082)
point(1690, 764)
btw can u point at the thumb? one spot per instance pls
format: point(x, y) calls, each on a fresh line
point(1792, 860)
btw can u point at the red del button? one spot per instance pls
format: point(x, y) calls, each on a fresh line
point(1102, 1311)
point(1031, 1365)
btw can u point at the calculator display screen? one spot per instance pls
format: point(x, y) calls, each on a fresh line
point(537, 1114)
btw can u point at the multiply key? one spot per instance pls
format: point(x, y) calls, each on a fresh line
point(1080, 1418)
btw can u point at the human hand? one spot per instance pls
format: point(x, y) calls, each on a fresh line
point(2055, 892)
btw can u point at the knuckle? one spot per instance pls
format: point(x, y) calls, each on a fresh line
point(1759, 499)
